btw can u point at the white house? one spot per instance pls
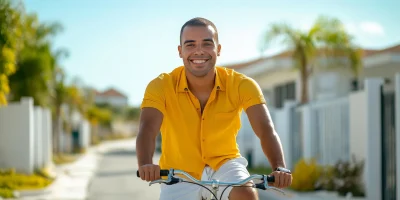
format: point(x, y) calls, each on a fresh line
point(345, 116)
point(112, 97)
point(332, 126)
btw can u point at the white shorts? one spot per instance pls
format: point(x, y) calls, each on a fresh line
point(232, 171)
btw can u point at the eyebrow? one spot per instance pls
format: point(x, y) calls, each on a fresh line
point(205, 40)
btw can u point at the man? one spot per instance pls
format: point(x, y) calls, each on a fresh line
point(197, 109)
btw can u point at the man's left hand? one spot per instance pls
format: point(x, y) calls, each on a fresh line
point(282, 179)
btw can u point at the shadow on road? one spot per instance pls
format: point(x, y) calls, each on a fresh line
point(116, 173)
point(120, 152)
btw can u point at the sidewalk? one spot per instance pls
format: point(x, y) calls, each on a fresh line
point(72, 180)
point(325, 195)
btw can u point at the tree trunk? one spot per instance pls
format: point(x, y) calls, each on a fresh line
point(304, 80)
point(56, 130)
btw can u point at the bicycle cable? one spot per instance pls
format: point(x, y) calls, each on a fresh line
point(211, 191)
point(230, 186)
point(203, 187)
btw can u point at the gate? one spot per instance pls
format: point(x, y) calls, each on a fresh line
point(388, 145)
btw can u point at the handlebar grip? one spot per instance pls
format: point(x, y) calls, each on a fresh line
point(163, 172)
point(271, 179)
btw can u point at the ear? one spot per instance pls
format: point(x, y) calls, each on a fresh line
point(180, 51)
point(218, 50)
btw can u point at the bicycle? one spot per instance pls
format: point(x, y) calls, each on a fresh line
point(215, 184)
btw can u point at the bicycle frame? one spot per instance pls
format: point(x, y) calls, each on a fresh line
point(215, 184)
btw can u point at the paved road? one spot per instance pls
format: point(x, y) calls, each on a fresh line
point(116, 176)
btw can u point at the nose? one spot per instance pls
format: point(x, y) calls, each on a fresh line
point(199, 50)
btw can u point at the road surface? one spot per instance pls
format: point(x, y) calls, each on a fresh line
point(116, 176)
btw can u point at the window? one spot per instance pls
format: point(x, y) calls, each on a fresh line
point(284, 92)
point(354, 85)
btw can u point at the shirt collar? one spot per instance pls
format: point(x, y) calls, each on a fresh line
point(183, 86)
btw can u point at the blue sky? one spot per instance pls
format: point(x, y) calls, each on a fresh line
point(126, 43)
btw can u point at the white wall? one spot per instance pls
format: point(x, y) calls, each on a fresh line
point(283, 120)
point(25, 136)
point(17, 136)
point(249, 142)
point(47, 138)
point(330, 84)
point(373, 164)
point(38, 140)
point(65, 142)
point(84, 134)
point(246, 139)
point(358, 124)
point(325, 128)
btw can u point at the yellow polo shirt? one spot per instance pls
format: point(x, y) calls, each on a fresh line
point(191, 140)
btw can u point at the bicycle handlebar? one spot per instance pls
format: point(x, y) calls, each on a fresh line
point(163, 172)
point(215, 183)
point(173, 180)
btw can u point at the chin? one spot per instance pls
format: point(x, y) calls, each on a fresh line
point(200, 73)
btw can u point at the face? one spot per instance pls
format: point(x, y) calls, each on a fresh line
point(199, 49)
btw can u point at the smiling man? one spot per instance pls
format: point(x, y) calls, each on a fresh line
point(197, 108)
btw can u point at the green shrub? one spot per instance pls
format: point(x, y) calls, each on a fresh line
point(6, 193)
point(305, 175)
point(10, 181)
point(347, 177)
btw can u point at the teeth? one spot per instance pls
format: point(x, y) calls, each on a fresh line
point(199, 61)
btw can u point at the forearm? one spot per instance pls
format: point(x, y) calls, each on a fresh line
point(272, 148)
point(145, 146)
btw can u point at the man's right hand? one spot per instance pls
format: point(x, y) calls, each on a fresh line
point(149, 172)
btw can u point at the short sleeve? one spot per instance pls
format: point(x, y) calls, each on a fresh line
point(154, 96)
point(250, 93)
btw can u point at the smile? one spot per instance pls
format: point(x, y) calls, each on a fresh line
point(199, 61)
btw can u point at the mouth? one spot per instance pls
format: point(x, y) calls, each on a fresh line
point(198, 61)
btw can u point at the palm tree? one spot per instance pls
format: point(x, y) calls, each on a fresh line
point(326, 39)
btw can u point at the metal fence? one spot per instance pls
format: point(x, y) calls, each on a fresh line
point(388, 145)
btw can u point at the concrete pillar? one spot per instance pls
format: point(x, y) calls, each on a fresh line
point(306, 119)
point(38, 131)
point(47, 150)
point(373, 165)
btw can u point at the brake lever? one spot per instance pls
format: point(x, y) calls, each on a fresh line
point(276, 189)
point(171, 181)
point(267, 187)
point(158, 181)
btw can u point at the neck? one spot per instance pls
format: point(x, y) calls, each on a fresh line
point(201, 84)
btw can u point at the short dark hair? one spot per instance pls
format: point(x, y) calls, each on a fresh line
point(198, 21)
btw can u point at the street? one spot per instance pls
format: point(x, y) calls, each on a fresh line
point(116, 176)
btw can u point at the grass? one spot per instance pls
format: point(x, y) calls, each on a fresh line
point(10, 181)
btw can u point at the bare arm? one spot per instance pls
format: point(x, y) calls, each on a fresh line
point(263, 127)
point(149, 127)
